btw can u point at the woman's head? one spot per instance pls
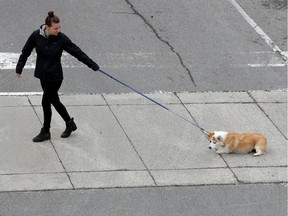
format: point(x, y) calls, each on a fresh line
point(52, 23)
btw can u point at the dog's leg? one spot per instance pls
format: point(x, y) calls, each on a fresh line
point(258, 151)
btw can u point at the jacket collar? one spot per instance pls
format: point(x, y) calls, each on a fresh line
point(42, 31)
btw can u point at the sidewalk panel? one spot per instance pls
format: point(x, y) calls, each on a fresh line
point(97, 144)
point(194, 177)
point(18, 153)
point(70, 100)
point(273, 96)
point(8, 101)
point(111, 179)
point(215, 97)
point(261, 174)
point(277, 112)
point(136, 99)
point(24, 182)
point(243, 118)
point(165, 141)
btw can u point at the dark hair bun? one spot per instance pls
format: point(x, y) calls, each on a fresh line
point(51, 13)
point(51, 18)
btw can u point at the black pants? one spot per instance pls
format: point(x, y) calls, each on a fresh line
point(50, 96)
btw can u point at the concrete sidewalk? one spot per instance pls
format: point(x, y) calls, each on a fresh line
point(126, 141)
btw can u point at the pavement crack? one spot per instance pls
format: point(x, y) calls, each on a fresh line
point(162, 40)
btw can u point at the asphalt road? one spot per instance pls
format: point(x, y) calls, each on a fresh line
point(241, 200)
point(186, 45)
point(156, 45)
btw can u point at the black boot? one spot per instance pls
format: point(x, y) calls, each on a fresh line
point(42, 136)
point(70, 126)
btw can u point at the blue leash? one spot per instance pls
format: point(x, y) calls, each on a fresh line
point(159, 104)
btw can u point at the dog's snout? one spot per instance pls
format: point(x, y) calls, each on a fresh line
point(209, 147)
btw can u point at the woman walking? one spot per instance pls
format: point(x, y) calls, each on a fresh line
point(49, 43)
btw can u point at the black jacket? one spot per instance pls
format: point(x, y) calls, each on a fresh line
point(49, 51)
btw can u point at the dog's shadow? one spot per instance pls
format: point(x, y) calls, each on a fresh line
point(252, 152)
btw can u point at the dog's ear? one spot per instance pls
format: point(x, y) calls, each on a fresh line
point(207, 134)
point(219, 138)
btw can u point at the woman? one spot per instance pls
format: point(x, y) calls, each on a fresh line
point(50, 43)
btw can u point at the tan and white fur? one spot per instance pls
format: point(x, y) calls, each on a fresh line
point(232, 142)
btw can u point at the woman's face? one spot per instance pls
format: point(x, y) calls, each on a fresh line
point(54, 29)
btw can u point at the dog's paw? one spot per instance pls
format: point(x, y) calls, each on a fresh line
point(258, 154)
point(220, 152)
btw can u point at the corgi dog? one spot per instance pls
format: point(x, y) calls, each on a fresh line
point(232, 142)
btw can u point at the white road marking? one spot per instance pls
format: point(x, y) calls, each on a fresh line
point(8, 60)
point(254, 25)
point(266, 65)
point(155, 92)
point(20, 93)
point(265, 59)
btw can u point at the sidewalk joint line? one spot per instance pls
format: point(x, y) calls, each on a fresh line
point(61, 162)
point(267, 116)
point(284, 183)
point(33, 107)
point(130, 141)
point(29, 101)
point(231, 170)
point(144, 170)
point(188, 111)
